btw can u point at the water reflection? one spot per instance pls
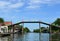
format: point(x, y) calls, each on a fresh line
point(8, 38)
point(26, 37)
point(55, 37)
point(44, 37)
point(32, 37)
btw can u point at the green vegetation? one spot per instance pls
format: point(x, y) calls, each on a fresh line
point(26, 29)
point(1, 20)
point(42, 30)
point(19, 27)
point(53, 28)
point(57, 23)
point(36, 30)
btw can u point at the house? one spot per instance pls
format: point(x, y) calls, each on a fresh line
point(4, 28)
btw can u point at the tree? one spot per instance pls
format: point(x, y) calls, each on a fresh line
point(36, 30)
point(26, 29)
point(20, 27)
point(1, 20)
point(57, 23)
point(43, 30)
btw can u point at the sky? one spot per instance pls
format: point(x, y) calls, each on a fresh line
point(27, 10)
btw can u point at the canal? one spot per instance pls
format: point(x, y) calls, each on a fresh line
point(26, 37)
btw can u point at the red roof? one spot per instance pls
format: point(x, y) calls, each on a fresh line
point(7, 23)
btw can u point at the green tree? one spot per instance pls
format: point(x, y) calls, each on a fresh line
point(56, 23)
point(36, 30)
point(26, 29)
point(43, 30)
point(1, 20)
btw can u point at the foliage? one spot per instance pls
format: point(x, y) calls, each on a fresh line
point(42, 29)
point(26, 29)
point(20, 27)
point(36, 30)
point(57, 23)
point(1, 20)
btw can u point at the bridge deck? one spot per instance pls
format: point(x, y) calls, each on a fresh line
point(33, 22)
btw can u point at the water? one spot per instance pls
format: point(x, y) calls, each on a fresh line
point(27, 37)
point(55, 37)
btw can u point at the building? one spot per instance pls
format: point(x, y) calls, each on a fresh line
point(4, 28)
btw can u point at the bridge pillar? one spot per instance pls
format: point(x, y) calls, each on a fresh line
point(40, 32)
point(50, 32)
point(22, 27)
point(50, 29)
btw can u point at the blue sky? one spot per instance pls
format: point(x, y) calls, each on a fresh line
point(26, 10)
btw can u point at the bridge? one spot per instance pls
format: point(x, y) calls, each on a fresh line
point(39, 22)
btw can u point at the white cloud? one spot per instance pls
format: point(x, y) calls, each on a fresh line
point(45, 1)
point(48, 2)
point(33, 7)
point(37, 3)
point(17, 5)
point(4, 4)
point(14, 4)
point(34, 4)
point(6, 7)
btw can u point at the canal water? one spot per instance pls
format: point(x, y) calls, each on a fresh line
point(27, 37)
